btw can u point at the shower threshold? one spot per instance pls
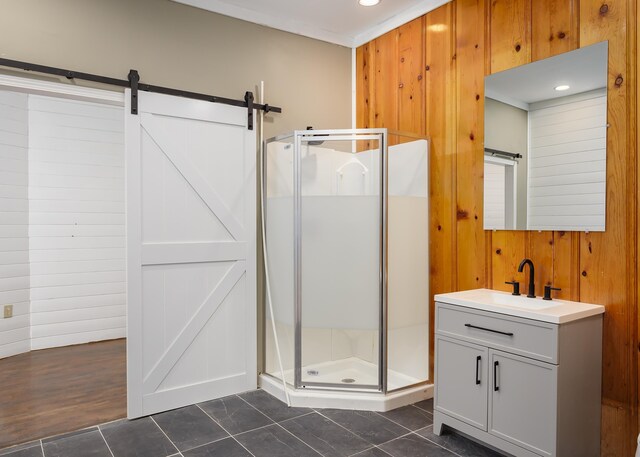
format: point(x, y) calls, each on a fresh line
point(346, 372)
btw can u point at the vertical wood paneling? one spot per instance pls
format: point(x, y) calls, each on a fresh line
point(364, 82)
point(554, 30)
point(411, 82)
point(510, 29)
point(507, 251)
point(608, 258)
point(566, 264)
point(386, 74)
point(365, 93)
point(593, 267)
point(510, 46)
point(440, 122)
point(554, 27)
point(470, 244)
point(539, 248)
point(636, 132)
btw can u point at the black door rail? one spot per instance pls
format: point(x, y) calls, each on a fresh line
point(133, 82)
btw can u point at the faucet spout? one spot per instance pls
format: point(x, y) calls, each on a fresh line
point(532, 286)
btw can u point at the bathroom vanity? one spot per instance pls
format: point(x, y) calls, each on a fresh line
point(520, 374)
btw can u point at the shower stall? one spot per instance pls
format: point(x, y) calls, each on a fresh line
point(346, 216)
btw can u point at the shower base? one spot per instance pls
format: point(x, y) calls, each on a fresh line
point(345, 372)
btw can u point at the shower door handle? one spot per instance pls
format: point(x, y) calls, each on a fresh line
point(478, 360)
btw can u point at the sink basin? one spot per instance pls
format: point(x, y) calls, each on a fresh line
point(554, 311)
point(517, 301)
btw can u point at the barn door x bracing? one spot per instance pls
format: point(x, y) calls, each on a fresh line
point(191, 252)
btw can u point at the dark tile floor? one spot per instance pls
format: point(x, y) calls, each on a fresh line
point(257, 424)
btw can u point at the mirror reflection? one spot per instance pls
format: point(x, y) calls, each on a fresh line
point(545, 144)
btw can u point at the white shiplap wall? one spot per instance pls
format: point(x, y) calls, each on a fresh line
point(14, 223)
point(77, 221)
point(494, 197)
point(567, 163)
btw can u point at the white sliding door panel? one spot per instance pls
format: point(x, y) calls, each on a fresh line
point(191, 247)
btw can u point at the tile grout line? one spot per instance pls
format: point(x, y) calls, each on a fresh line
point(422, 409)
point(227, 431)
point(300, 439)
point(340, 425)
point(172, 443)
point(41, 447)
point(254, 407)
point(294, 418)
point(382, 450)
point(11, 450)
point(105, 442)
point(440, 445)
point(374, 445)
point(391, 420)
point(59, 436)
point(243, 446)
point(396, 438)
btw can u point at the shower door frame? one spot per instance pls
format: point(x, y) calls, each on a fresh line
point(304, 136)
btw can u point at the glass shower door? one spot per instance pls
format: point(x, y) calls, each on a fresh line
point(340, 257)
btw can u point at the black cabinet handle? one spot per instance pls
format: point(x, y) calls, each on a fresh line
point(478, 359)
point(496, 387)
point(488, 330)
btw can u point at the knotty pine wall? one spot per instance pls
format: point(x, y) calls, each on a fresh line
point(427, 77)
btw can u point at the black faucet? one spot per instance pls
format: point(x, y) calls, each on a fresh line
point(532, 286)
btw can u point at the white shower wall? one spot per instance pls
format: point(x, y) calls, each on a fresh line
point(340, 246)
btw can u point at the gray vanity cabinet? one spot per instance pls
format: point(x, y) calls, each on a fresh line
point(522, 406)
point(524, 386)
point(462, 380)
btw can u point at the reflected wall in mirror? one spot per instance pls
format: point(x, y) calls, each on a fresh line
point(545, 144)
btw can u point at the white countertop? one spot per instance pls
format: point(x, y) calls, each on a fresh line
point(554, 311)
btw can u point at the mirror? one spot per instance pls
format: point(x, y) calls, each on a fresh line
point(545, 144)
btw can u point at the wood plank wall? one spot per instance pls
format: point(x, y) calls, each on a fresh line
point(443, 57)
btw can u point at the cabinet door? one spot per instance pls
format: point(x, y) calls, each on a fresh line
point(461, 381)
point(523, 401)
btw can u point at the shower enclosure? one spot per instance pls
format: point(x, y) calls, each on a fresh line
point(347, 313)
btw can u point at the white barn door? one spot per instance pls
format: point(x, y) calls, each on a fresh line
point(191, 252)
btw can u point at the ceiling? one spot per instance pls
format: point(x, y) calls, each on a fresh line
point(582, 70)
point(342, 22)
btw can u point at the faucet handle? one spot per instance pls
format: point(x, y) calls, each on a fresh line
point(516, 287)
point(547, 292)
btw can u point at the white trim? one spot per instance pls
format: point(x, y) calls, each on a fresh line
point(288, 24)
point(61, 90)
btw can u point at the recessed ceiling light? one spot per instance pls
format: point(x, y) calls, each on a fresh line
point(561, 88)
point(368, 2)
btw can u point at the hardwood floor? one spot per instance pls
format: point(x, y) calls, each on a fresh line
point(53, 391)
